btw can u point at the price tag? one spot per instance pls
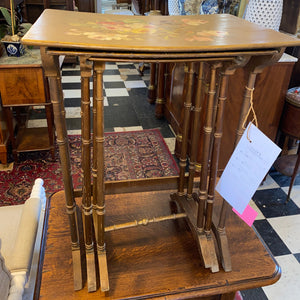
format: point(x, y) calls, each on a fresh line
point(247, 167)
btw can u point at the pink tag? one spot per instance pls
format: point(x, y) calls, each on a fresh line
point(248, 215)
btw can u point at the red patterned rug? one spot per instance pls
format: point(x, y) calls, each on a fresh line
point(128, 155)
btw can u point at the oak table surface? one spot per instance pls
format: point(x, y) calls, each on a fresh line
point(158, 260)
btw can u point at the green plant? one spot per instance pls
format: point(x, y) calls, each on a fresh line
point(13, 29)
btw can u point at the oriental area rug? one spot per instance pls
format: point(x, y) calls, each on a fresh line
point(128, 155)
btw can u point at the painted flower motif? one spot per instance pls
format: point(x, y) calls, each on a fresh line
point(99, 35)
point(193, 22)
point(74, 31)
point(107, 30)
point(106, 36)
point(212, 33)
point(206, 35)
point(198, 39)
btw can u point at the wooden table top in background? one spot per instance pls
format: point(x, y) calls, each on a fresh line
point(158, 260)
point(205, 33)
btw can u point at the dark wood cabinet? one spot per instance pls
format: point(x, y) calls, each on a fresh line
point(33, 8)
point(144, 6)
point(85, 5)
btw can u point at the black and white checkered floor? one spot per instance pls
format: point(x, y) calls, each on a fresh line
point(126, 108)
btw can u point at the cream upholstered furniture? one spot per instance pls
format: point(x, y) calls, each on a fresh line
point(18, 231)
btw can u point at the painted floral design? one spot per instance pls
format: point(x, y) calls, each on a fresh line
point(134, 29)
point(193, 22)
point(206, 35)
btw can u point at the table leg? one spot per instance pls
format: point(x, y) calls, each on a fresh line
point(199, 98)
point(160, 100)
point(152, 84)
point(9, 121)
point(100, 206)
point(214, 168)
point(49, 117)
point(52, 72)
point(206, 244)
point(185, 130)
point(293, 175)
point(256, 66)
point(85, 70)
point(94, 166)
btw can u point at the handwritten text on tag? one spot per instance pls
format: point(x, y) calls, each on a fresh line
point(248, 165)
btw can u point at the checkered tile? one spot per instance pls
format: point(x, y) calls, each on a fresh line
point(126, 109)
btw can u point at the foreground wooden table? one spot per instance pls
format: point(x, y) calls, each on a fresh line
point(157, 261)
point(222, 43)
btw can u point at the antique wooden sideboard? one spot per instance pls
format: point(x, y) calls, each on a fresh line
point(216, 41)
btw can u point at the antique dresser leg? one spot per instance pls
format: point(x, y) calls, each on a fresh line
point(100, 206)
point(86, 68)
point(51, 67)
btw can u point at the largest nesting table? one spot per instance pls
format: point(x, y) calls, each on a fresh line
point(135, 262)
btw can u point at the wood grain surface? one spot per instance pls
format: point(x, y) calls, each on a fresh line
point(158, 260)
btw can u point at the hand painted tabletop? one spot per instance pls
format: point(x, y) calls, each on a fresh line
point(206, 33)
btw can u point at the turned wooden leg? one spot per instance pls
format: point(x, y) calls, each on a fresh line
point(152, 84)
point(225, 255)
point(9, 121)
point(85, 70)
point(94, 166)
point(52, 72)
point(207, 244)
point(185, 130)
point(160, 100)
point(49, 117)
point(219, 225)
point(100, 206)
point(199, 97)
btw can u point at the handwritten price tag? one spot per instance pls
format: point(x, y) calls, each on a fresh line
point(248, 165)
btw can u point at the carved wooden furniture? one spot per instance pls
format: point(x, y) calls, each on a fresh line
point(22, 84)
point(218, 40)
point(269, 97)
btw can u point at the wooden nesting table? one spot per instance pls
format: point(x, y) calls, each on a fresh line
point(221, 43)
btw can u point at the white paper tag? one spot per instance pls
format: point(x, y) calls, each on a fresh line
point(247, 167)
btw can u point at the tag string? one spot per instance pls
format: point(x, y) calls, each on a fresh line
point(251, 109)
